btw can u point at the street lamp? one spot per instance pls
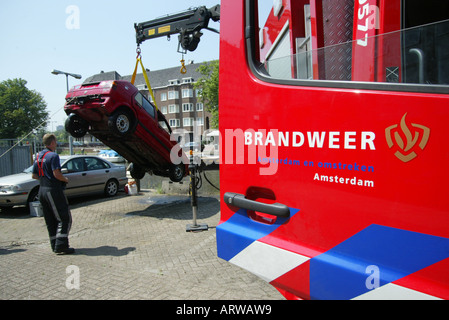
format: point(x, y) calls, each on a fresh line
point(67, 74)
point(76, 76)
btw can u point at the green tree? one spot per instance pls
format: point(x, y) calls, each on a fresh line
point(208, 87)
point(21, 109)
point(61, 135)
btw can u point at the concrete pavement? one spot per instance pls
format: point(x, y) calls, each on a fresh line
point(127, 247)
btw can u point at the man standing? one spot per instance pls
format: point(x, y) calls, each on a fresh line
point(47, 169)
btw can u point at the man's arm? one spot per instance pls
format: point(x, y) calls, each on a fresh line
point(58, 175)
point(55, 165)
point(35, 171)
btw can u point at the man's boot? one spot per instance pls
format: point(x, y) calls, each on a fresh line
point(64, 251)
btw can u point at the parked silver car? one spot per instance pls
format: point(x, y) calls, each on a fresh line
point(87, 175)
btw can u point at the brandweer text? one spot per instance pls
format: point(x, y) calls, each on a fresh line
point(313, 139)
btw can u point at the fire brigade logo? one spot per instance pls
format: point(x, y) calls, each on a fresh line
point(407, 139)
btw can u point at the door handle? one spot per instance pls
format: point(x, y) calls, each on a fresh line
point(420, 55)
point(84, 174)
point(239, 200)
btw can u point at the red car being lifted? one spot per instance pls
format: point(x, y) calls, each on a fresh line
point(122, 118)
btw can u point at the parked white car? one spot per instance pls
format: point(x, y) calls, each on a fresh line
point(87, 175)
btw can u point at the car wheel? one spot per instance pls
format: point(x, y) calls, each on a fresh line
point(111, 188)
point(121, 123)
point(76, 126)
point(177, 172)
point(33, 196)
point(136, 171)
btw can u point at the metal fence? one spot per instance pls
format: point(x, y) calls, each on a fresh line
point(15, 155)
point(15, 160)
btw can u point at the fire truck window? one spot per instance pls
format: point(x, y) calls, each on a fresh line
point(351, 41)
point(426, 42)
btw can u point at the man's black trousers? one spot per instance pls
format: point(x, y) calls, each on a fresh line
point(57, 216)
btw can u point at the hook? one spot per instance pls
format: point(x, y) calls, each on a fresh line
point(183, 67)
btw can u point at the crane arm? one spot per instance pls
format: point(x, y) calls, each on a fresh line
point(187, 24)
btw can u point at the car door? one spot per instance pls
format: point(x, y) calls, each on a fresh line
point(153, 134)
point(98, 172)
point(75, 170)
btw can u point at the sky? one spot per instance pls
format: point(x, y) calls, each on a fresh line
point(86, 37)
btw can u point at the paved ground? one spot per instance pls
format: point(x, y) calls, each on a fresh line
point(127, 247)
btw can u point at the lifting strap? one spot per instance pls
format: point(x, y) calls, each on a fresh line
point(40, 164)
point(133, 79)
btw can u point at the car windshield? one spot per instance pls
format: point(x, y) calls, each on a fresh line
point(28, 170)
point(163, 123)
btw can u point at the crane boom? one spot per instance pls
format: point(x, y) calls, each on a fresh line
point(188, 24)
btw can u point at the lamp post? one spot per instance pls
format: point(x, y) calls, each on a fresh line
point(76, 76)
point(67, 74)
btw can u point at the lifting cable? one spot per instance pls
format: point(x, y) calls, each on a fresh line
point(199, 179)
point(145, 75)
point(204, 174)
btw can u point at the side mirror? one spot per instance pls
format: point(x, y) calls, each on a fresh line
point(64, 171)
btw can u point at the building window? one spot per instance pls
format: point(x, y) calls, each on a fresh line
point(199, 106)
point(187, 93)
point(187, 122)
point(173, 108)
point(186, 107)
point(164, 110)
point(199, 121)
point(164, 96)
point(173, 95)
point(187, 80)
point(174, 123)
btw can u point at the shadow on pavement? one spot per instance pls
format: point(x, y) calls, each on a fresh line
point(177, 207)
point(104, 251)
point(23, 212)
point(9, 251)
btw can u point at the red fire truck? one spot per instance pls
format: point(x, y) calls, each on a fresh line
point(333, 142)
point(334, 145)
